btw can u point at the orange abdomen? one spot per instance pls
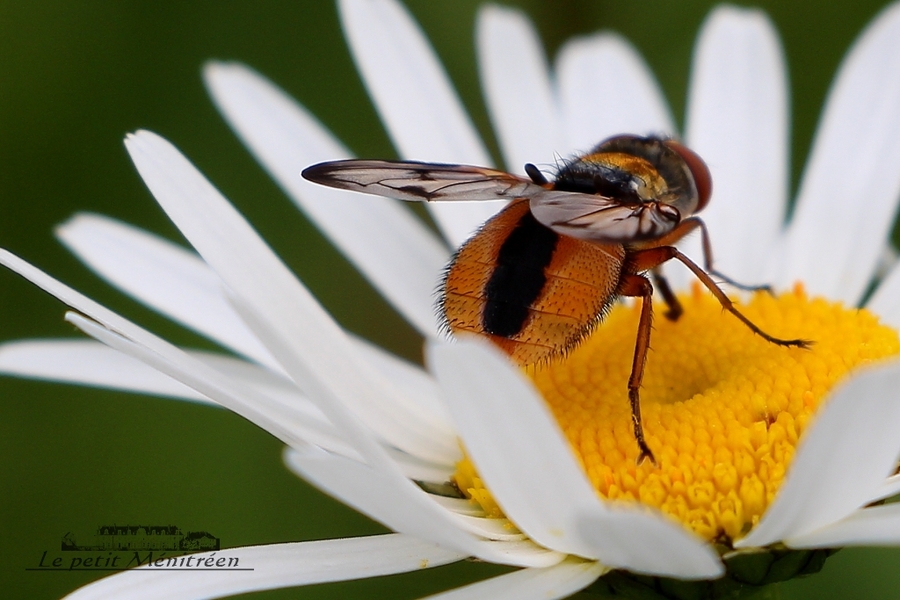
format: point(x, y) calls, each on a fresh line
point(532, 292)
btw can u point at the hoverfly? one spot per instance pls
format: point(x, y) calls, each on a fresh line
point(539, 276)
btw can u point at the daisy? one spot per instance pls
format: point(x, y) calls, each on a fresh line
point(737, 490)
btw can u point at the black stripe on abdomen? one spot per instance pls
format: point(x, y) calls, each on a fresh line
point(518, 278)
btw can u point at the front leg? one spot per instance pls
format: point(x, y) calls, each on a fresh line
point(653, 257)
point(685, 228)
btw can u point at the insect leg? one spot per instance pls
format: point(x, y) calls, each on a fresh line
point(686, 227)
point(652, 257)
point(662, 284)
point(708, 262)
point(639, 286)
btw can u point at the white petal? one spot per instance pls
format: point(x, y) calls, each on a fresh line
point(875, 526)
point(283, 400)
point(411, 91)
point(406, 508)
point(89, 363)
point(586, 68)
point(80, 302)
point(841, 462)
point(516, 82)
point(646, 542)
point(491, 528)
point(885, 302)
point(179, 284)
point(460, 506)
point(290, 421)
point(484, 436)
point(416, 101)
point(287, 422)
point(420, 470)
point(737, 120)
point(274, 566)
point(890, 487)
point(390, 246)
point(851, 185)
point(229, 393)
point(283, 314)
point(85, 362)
point(558, 581)
point(162, 275)
point(291, 426)
point(402, 507)
point(412, 379)
point(527, 464)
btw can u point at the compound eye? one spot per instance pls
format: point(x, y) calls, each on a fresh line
point(698, 169)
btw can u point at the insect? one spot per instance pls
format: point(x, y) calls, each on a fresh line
point(539, 276)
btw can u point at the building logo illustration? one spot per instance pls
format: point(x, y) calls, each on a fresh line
point(142, 537)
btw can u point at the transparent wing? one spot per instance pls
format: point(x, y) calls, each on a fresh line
point(596, 218)
point(418, 181)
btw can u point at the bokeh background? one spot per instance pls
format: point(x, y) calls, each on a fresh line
point(76, 77)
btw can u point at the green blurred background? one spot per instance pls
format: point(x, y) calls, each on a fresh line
point(75, 77)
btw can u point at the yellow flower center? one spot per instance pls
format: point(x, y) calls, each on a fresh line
point(723, 409)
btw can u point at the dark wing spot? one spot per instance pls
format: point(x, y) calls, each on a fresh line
point(415, 190)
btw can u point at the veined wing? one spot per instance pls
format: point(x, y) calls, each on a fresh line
point(420, 181)
point(596, 218)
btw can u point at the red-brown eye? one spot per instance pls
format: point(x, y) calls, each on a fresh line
point(698, 169)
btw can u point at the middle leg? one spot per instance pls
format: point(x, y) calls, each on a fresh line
point(640, 287)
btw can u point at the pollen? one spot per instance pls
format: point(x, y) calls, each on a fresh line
point(723, 409)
